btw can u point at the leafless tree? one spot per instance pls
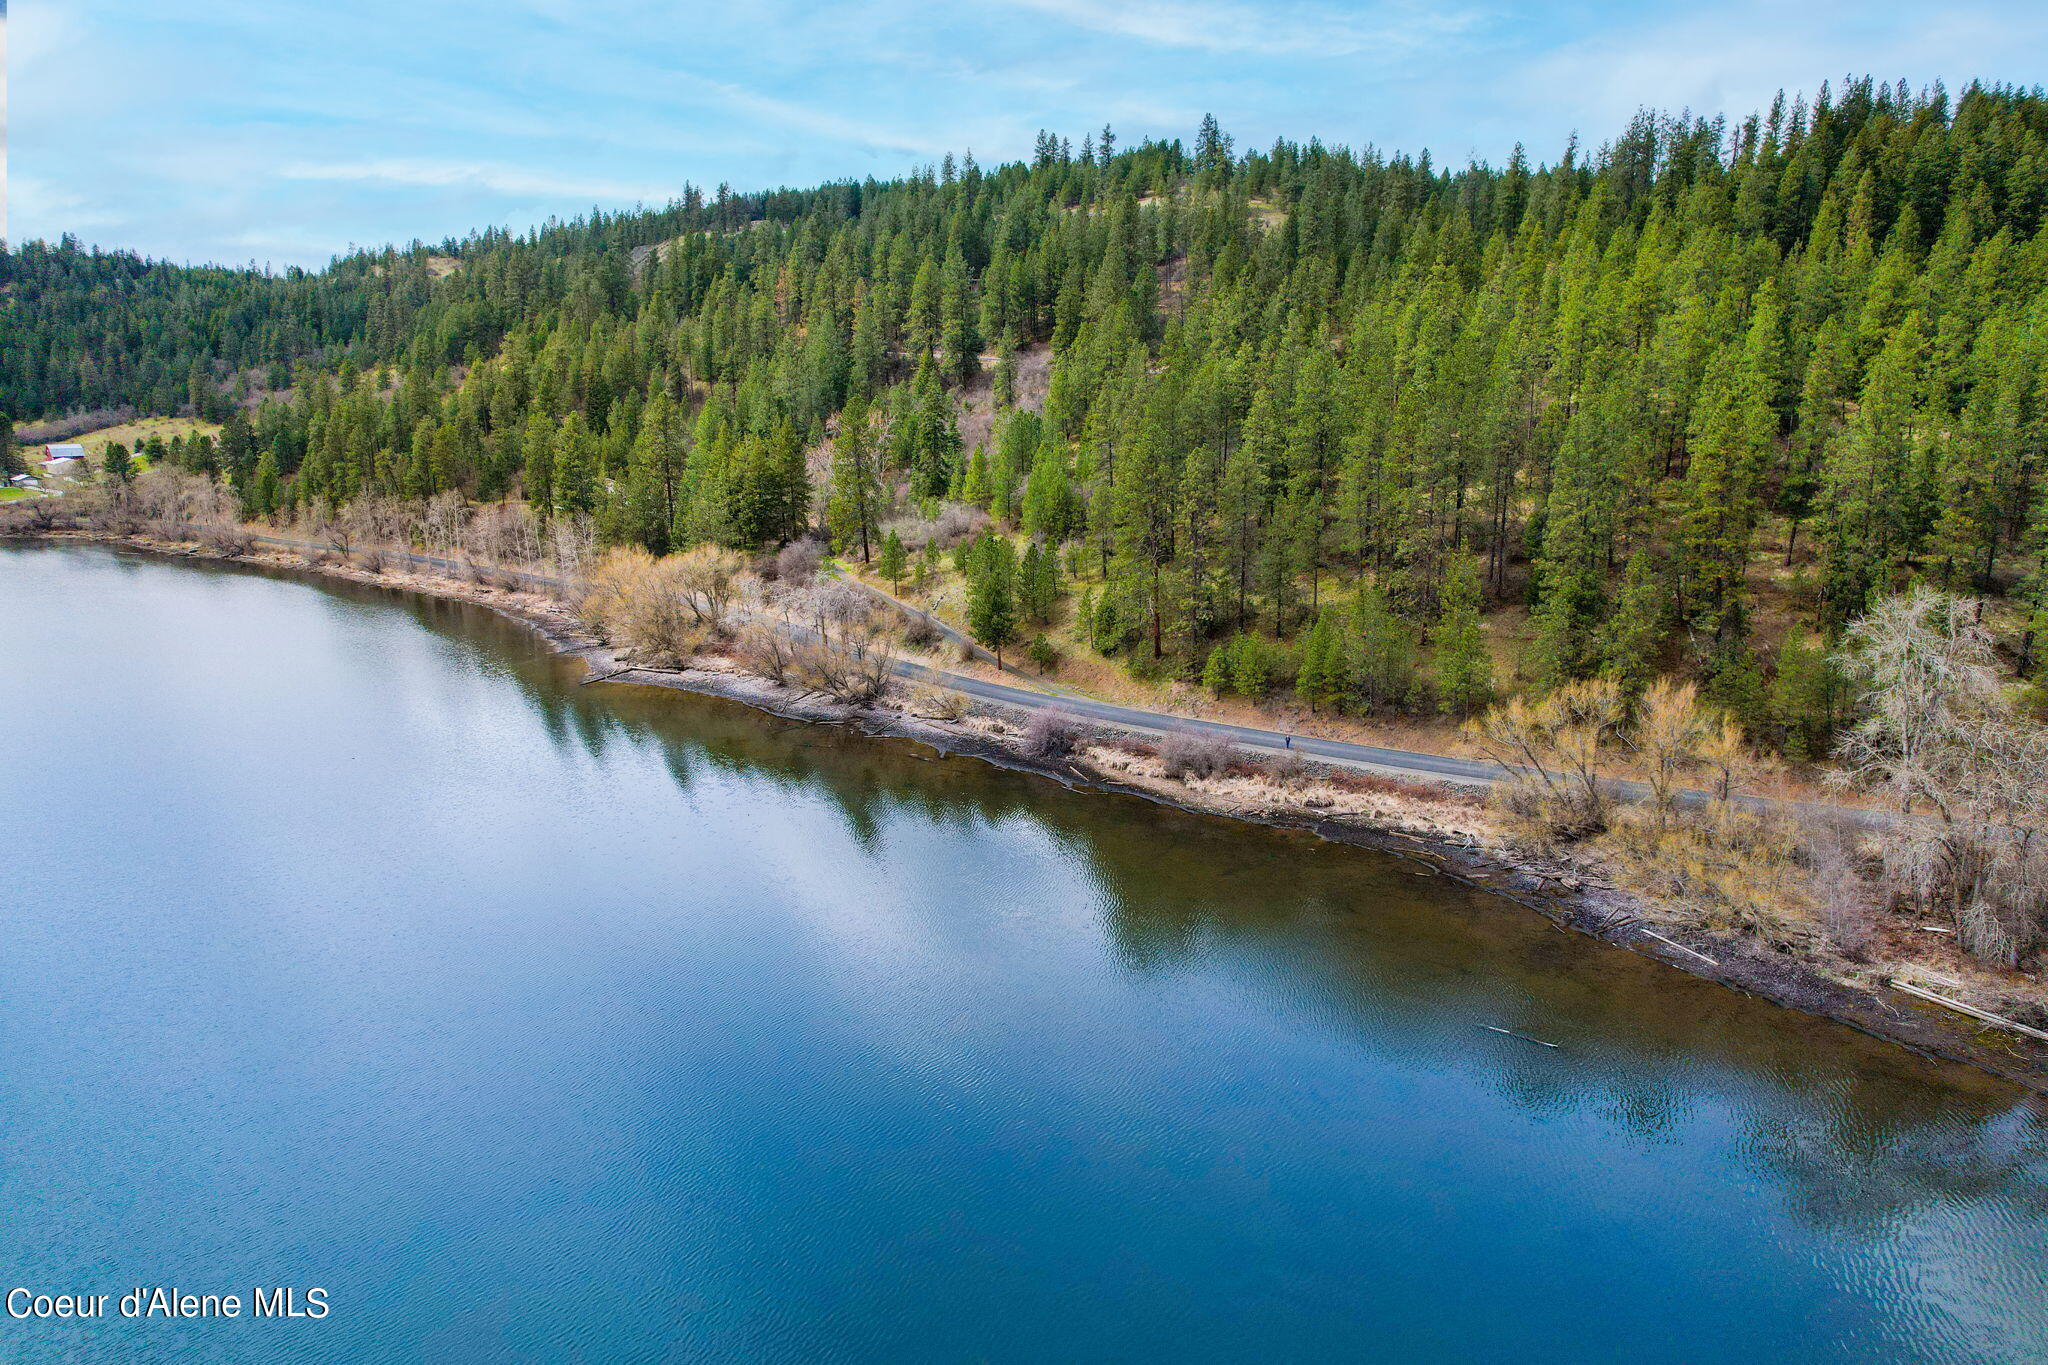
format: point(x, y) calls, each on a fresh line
point(856, 666)
point(571, 546)
point(1670, 731)
point(1191, 753)
point(710, 578)
point(797, 562)
point(1051, 736)
point(1943, 741)
point(1552, 749)
point(764, 649)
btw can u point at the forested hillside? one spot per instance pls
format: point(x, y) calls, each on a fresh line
point(1312, 414)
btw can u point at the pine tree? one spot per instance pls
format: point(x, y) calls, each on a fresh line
point(537, 462)
point(1051, 509)
point(975, 482)
point(856, 493)
point(1251, 667)
point(958, 340)
point(2034, 592)
point(1383, 662)
point(1869, 525)
point(1803, 698)
point(262, 497)
point(992, 595)
point(1005, 384)
point(1464, 669)
point(867, 364)
point(1216, 669)
point(1325, 678)
point(1038, 583)
point(1571, 570)
point(115, 465)
point(573, 481)
point(894, 564)
point(930, 440)
point(1632, 639)
point(648, 501)
point(1143, 520)
point(1731, 445)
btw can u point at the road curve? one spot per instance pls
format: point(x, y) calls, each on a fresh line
point(1401, 763)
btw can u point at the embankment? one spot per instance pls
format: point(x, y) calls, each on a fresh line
point(1443, 830)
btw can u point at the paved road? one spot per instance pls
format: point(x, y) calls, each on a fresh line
point(1394, 762)
point(1401, 763)
point(960, 639)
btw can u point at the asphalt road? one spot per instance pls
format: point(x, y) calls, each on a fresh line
point(1402, 763)
point(1398, 762)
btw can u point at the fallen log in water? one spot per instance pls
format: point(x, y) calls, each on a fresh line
point(1512, 1034)
point(1900, 984)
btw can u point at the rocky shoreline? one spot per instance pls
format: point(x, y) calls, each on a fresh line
point(1420, 824)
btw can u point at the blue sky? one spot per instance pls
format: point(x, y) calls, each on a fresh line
point(282, 132)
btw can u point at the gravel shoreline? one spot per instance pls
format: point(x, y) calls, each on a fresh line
point(1418, 834)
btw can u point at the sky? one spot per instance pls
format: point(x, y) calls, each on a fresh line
point(281, 133)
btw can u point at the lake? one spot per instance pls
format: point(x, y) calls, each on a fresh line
point(346, 942)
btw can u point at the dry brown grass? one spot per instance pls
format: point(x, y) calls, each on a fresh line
point(133, 434)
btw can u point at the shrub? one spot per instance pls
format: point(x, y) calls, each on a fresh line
point(1044, 657)
point(765, 651)
point(921, 632)
point(108, 510)
point(957, 523)
point(797, 562)
point(1733, 868)
point(1552, 750)
point(664, 610)
point(856, 667)
point(226, 538)
point(1285, 770)
point(940, 703)
point(1051, 737)
point(1191, 753)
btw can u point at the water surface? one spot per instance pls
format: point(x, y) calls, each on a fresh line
point(346, 941)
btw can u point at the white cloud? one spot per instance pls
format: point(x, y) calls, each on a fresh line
point(508, 180)
point(1734, 61)
point(46, 208)
point(1285, 30)
point(808, 120)
point(42, 36)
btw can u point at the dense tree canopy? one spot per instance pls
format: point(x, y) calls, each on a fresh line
point(1303, 394)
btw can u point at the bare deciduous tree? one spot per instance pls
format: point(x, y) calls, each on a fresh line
point(1051, 736)
point(1668, 738)
point(1942, 739)
point(1188, 753)
point(1553, 750)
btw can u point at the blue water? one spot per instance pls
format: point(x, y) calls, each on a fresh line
point(346, 942)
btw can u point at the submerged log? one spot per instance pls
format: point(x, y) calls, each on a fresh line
point(1523, 1036)
point(1900, 984)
